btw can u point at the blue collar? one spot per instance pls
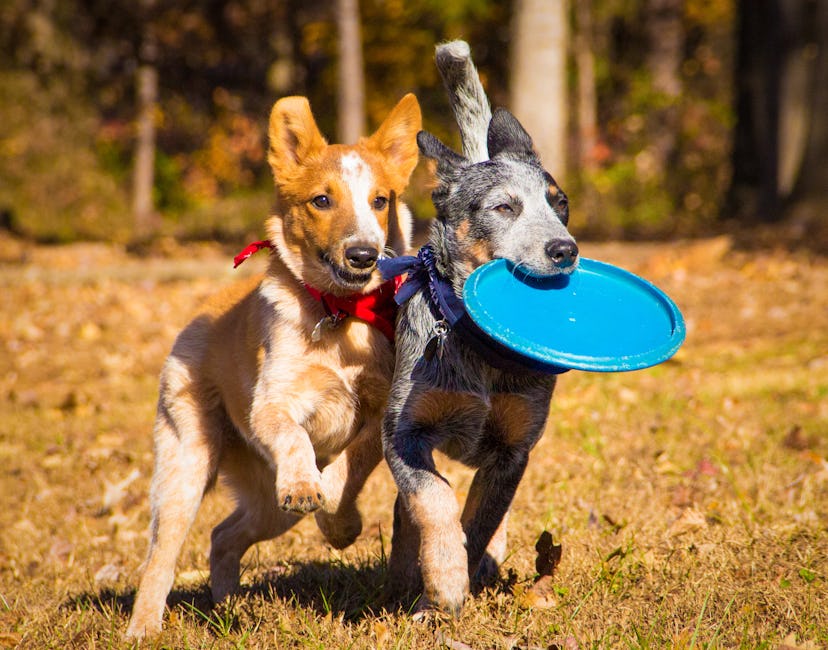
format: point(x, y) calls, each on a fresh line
point(445, 305)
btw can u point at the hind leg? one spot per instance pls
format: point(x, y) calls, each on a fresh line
point(184, 469)
point(339, 519)
point(404, 561)
point(257, 517)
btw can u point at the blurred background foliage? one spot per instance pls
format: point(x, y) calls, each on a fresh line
point(658, 163)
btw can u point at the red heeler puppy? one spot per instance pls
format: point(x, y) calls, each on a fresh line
point(288, 373)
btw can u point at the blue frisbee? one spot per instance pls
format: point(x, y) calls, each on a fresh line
point(599, 318)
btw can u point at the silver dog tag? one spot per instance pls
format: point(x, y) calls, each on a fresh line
point(316, 334)
point(326, 323)
point(435, 344)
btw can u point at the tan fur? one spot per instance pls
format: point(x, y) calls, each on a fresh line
point(442, 550)
point(511, 418)
point(435, 406)
point(246, 394)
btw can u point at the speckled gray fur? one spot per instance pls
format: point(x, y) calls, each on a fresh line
point(492, 203)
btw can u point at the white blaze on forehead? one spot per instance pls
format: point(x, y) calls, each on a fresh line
point(360, 181)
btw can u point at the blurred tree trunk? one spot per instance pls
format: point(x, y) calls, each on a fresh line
point(143, 208)
point(809, 180)
point(351, 106)
point(587, 102)
point(282, 73)
point(666, 49)
point(780, 157)
point(540, 38)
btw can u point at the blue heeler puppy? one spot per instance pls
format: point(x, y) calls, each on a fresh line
point(454, 389)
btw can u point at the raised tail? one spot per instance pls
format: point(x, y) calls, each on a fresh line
point(466, 96)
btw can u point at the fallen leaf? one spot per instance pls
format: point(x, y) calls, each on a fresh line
point(682, 496)
point(706, 468)
point(628, 395)
point(796, 440)
point(193, 576)
point(452, 644)
point(789, 643)
point(61, 550)
point(114, 493)
point(540, 595)
point(615, 526)
point(107, 573)
point(549, 554)
point(89, 331)
point(690, 520)
point(381, 632)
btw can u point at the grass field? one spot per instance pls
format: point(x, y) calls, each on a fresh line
point(690, 500)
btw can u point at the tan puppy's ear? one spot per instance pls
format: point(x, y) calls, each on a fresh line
point(294, 135)
point(396, 138)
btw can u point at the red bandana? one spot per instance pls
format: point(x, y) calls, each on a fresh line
point(376, 308)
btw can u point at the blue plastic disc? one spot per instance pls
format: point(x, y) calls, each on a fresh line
point(599, 318)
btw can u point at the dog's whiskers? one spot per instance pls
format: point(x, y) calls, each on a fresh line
point(525, 273)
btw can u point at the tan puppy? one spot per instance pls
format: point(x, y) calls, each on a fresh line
point(271, 381)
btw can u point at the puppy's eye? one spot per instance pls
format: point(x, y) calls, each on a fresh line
point(379, 203)
point(323, 202)
point(505, 208)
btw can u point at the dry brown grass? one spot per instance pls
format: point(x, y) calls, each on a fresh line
point(691, 500)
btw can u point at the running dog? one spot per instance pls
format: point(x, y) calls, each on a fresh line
point(454, 389)
point(288, 373)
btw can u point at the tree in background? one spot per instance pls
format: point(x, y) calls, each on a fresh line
point(660, 157)
point(143, 171)
point(55, 183)
point(665, 53)
point(650, 145)
point(539, 87)
point(780, 155)
point(351, 80)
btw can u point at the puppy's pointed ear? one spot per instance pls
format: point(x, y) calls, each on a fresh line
point(506, 134)
point(395, 138)
point(293, 135)
point(448, 161)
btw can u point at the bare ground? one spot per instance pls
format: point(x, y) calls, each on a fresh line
point(690, 500)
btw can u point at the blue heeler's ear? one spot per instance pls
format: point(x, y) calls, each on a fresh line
point(432, 148)
point(447, 159)
point(507, 135)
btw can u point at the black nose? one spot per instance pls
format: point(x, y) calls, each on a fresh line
point(563, 252)
point(361, 257)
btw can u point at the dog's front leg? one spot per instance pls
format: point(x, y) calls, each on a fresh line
point(342, 480)
point(287, 444)
point(485, 515)
point(514, 425)
point(432, 507)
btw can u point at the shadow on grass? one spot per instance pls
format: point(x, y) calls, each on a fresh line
point(347, 592)
point(344, 591)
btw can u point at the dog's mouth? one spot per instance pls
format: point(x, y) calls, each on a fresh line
point(343, 277)
point(525, 270)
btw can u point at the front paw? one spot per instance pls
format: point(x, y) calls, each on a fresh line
point(301, 497)
point(449, 595)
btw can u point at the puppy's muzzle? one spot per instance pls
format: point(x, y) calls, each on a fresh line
point(562, 252)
